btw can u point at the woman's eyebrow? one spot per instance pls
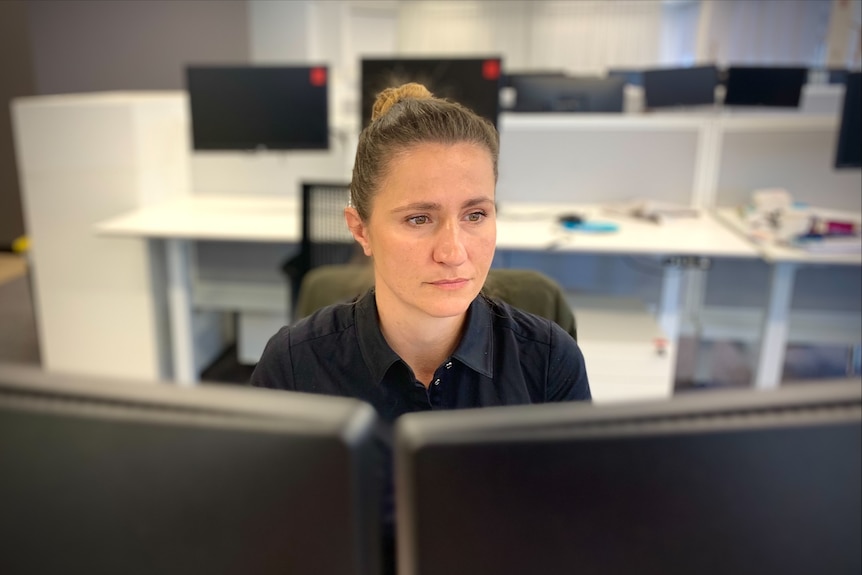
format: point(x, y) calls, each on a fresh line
point(434, 206)
point(477, 201)
point(419, 207)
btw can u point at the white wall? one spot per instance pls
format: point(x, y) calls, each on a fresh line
point(86, 46)
point(779, 32)
point(279, 31)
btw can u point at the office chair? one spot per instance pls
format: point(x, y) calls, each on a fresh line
point(325, 237)
point(528, 290)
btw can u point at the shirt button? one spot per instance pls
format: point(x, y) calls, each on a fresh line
point(436, 382)
point(448, 364)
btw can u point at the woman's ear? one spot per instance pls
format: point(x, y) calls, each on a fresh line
point(358, 229)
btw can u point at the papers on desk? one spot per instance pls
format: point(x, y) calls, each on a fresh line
point(804, 228)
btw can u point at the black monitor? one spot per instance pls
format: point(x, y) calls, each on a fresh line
point(765, 86)
point(836, 75)
point(112, 477)
point(715, 483)
point(510, 78)
point(669, 87)
point(848, 153)
point(568, 94)
point(259, 107)
point(472, 82)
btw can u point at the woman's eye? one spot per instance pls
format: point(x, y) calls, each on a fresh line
point(418, 220)
point(475, 216)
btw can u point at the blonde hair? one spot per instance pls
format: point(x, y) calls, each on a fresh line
point(391, 96)
point(406, 116)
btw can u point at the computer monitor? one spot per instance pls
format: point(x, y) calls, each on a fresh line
point(671, 87)
point(836, 75)
point(568, 94)
point(765, 86)
point(715, 483)
point(849, 150)
point(509, 78)
point(113, 477)
point(472, 82)
point(258, 107)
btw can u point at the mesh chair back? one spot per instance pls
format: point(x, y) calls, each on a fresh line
point(325, 237)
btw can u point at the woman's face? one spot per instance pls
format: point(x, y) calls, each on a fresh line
point(432, 229)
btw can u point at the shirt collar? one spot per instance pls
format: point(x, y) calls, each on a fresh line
point(378, 356)
point(474, 349)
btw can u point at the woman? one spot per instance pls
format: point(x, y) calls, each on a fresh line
point(422, 204)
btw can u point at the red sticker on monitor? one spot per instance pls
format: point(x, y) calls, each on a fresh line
point(491, 69)
point(317, 76)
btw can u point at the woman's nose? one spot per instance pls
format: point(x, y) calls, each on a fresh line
point(449, 248)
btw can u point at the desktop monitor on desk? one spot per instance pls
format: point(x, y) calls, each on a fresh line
point(765, 86)
point(836, 75)
point(717, 483)
point(472, 82)
point(511, 77)
point(671, 87)
point(849, 151)
point(568, 94)
point(110, 478)
point(259, 107)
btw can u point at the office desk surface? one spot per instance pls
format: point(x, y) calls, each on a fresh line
point(233, 218)
point(523, 226)
point(520, 226)
point(777, 253)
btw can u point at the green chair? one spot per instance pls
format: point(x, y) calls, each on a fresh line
point(528, 290)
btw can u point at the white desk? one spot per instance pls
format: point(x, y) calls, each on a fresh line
point(785, 261)
point(200, 218)
point(524, 227)
point(231, 218)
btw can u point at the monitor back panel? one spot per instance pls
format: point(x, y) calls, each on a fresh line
point(671, 499)
point(107, 488)
point(763, 86)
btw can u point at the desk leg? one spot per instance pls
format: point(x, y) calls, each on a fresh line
point(773, 340)
point(180, 311)
point(671, 289)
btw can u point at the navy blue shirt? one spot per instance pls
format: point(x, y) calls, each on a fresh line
point(506, 357)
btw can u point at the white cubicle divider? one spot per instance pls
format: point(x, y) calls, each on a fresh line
point(790, 151)
point(822, 99)
point(100, 302)
point(594, 158)
point(272, 172)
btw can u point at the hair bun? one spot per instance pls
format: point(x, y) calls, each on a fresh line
point(391, 96)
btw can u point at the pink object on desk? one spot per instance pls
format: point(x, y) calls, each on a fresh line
point(840, 228)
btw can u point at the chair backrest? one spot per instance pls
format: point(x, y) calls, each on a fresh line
point(325, 237)
point(528, 290)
